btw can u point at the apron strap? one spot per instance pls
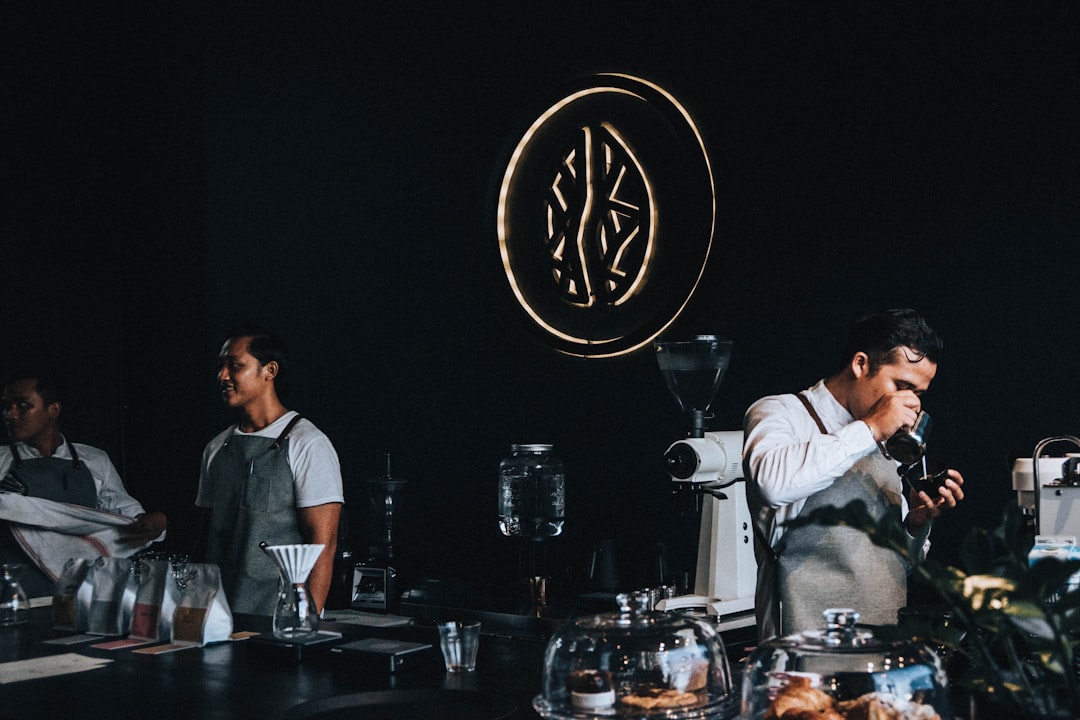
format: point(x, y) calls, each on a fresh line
point(813, 413)
point(764, 543)
point(17, 459)
point(280, 438)
point(285, 433)
point(74, 456)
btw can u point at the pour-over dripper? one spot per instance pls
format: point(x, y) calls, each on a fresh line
point(294, 561)
point(693, 370)
point(295, 614)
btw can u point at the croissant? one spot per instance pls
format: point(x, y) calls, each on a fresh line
point(812, 715)
point(798, 696)
point(878, 706)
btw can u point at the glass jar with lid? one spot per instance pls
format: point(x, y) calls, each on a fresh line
point(842, 671)
point(636, 663)
point(532, 492)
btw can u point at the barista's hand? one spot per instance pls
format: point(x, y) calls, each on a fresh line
point(924, 508)
point(891, 412)
point(144, 529)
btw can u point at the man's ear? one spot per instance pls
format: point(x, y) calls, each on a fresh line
point(271, 369)
point(53, 410)
point(860, 364)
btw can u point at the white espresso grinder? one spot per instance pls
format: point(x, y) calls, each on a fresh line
point(709, 465)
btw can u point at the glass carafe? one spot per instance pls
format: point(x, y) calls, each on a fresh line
point(14, 605)
point(294, 614)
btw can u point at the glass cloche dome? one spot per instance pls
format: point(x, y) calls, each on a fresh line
point(842, 672)
point(636, 663)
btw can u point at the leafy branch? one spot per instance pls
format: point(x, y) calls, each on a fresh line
point(1010, 620)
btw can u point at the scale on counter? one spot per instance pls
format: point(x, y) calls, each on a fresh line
point(709, 465)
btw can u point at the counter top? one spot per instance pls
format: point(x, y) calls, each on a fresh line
point(242, 678)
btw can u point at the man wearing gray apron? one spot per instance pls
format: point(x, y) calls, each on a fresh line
point(272, 477)
point(40, 462)
point(823, 447)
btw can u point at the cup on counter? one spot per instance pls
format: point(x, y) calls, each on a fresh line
point(459, 642)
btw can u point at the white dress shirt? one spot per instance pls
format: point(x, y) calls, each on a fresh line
point(787, 458)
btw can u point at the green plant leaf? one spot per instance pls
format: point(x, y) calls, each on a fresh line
point(1012, 621)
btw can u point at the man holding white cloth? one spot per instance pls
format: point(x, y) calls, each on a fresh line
point(48, 480)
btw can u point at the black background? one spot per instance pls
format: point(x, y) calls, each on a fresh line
point(327, 168)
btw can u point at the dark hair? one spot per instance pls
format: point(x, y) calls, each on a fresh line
point(51, 385)
point(881, 334)
point(264, 346)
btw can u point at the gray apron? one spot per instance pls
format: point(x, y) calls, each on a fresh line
point(252, 499)
point(51, 478)
point(821, 567)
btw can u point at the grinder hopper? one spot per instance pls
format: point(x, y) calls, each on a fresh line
point(693, 370)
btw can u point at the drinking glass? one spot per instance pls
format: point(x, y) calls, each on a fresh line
point(459, 642)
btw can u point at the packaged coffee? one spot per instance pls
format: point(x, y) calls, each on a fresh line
point(202, 615)
point(155, 599)
point(112, 581)
point(70, 612)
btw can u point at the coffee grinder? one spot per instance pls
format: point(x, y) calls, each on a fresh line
point(708, 466)
point(375, 577)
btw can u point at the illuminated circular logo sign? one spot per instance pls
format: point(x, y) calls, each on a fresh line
point(606, 216)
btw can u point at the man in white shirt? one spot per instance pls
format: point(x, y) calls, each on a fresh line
point(272, 477)
point(40, 462)
point(823, 446)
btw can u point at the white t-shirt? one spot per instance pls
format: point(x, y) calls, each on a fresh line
point(312, 459)
point(111, 494)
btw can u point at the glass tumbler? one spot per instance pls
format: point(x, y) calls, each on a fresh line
point(459, 642)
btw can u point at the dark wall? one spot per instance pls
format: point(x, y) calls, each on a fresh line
point(328, 172)
point(102, 273)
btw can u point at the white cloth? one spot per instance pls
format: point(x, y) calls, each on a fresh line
point(111, 495)
point(312, 459)
point(51, 533)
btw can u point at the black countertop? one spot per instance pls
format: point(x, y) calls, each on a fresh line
point(250, 679)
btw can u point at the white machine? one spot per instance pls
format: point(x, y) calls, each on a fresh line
point(726, 574)
point(710, 464)
point(1048, 488)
